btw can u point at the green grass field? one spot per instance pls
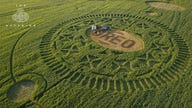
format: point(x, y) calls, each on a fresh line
point(48, 60)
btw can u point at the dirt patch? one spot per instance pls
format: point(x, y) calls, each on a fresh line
point(118, 40)
point(166, 6)
point(21, 90)
point(152, 13)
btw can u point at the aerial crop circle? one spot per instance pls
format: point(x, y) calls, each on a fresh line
point(165, 6)
point(21, 90)
point(118, 40)
point(68, 51)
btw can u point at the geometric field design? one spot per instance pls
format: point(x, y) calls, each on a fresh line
point(70, 54)
point(95, 54)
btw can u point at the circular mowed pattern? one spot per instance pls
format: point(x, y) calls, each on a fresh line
point(68, 51)
point(118, 40)
point(166, 6)
point(21, 91)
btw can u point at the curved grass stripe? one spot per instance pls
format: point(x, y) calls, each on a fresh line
point(147, 83)
point(92, 82)
point(153, 82)
point(131, 85)
point(143, 84)
point(105, 84)
point(85, 81)
point(138, 85)
point(99, 83)
point(118, 85)
point(75, 76)
point(111, 85)
point(80, 78)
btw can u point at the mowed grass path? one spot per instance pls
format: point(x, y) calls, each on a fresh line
point(27, 63)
